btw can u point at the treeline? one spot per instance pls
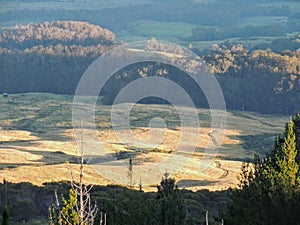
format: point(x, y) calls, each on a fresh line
point(208, 34)
point(51, 56)
point(54, 33)
point(281, 44)
point(121, 205)
point(257, 80)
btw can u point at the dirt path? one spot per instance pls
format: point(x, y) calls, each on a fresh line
point(219, 166)
point(213, 137)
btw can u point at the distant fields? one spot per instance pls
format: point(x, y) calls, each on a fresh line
point(261, 20)
point(157, 29)
point(67, 5)
point(140, 29)
point(294, 5)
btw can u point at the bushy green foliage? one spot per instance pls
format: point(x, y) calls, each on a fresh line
point(121, 205)
point(172, 209)
point(67, 214)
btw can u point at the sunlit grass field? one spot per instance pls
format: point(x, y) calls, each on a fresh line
point(37, 142)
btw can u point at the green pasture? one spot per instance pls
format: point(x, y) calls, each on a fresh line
point(261, 20)
point(151, 28)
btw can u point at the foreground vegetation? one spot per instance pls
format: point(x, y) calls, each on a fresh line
point(121, 205)
point(270, 190)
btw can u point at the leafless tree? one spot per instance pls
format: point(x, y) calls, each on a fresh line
point(85, 210)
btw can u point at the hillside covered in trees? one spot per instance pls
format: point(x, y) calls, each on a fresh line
point(52, 57)
point(54, 33)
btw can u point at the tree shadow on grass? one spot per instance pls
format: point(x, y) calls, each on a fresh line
point(186, 183)
point(47, 158)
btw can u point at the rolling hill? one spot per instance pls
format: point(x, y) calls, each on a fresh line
point(37, 143)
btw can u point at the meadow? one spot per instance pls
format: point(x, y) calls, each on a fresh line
point(38, 143)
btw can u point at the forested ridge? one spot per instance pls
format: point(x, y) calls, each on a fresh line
point(54, 33)
point(52, 57)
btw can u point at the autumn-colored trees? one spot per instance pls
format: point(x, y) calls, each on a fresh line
point(42, 57)
point(53, 33)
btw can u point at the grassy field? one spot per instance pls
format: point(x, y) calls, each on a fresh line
point(261, 20)
point(37, 143)
point(149, 28)
point(67, 5)
point(294, 5)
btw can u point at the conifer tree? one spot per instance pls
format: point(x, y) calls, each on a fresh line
point(172, 210)
point(5, 212)
point(5, 216)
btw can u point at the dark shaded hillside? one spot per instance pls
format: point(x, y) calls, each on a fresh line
point(252, 80)
point(52, 57)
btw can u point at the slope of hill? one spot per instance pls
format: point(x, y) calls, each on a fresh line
point(37, 142)
point(51, 57)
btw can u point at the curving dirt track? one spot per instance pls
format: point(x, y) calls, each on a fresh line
point(219, 166)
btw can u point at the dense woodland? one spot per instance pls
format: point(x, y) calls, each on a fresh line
point(43, 57)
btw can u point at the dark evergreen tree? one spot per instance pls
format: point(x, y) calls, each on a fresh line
point(172, 210)
point(5, 216)
point(5, 212)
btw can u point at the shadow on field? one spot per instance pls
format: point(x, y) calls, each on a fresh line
point(260, 143)
point(194, 183)
point(47, 158)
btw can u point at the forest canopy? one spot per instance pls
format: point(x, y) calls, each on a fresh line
point(54, 33)
point(42, 57)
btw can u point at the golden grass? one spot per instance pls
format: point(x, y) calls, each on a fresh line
point(37, 145)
